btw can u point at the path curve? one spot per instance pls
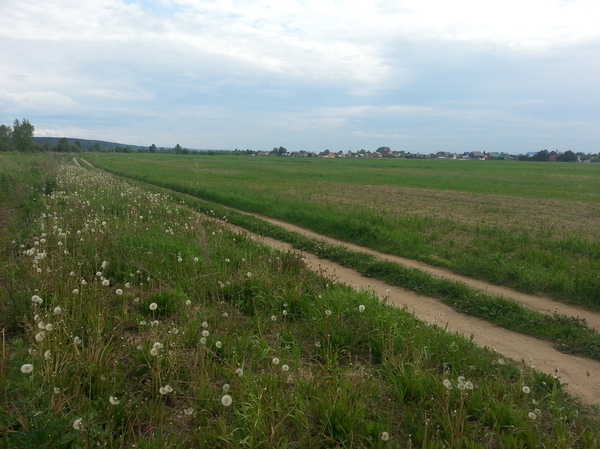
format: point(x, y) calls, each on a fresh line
point(581, 375)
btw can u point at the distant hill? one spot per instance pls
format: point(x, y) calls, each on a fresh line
point(87, 145)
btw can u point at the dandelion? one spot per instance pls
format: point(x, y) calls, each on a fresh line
point(36, 300)
point(40, 336)
point(226, 388)
point(226, 400)
point(27, 368)
point(384, 436)
point(48, 354)
point(468, 385)
point(532, 415)
point(154, 352)
point(205, 333)
point(78, 424)
point(77, 340)
point(447, 383)
point(104, 265)
point(203, 341)
point(49, 327)
point(105, 282)
point(83, 282)
point(41, 325)
point(189, 411)
point(526, 389)
point(273, 318)
point(285, 368)
point(275, 361)
point(225, 315)
point(153, 306)
point(239, 372)
point(188, 303)
point(328, 312)
point(196, 259)
point(361, 308)
point(56, 390)
point(127, 285)
point(249, 274)
point(218, 344)
point(204, 324)
point(501, 362)
point(57, 311)
point(114, 401)
point(165, 390)
point(119, 291)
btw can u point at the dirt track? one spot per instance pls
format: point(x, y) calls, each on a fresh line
point(582, 375)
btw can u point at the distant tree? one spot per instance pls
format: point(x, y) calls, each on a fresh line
point(5, 138)
point(383, 150)
point(541, 156)
point(152, 148)
point(279, 151)
point(22, 135)
point(567, 156)
point(96, 147)
point(63, 145)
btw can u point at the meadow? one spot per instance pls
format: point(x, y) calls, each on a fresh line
point(128, 320)
point(530, 226)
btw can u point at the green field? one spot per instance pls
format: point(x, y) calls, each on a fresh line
point(530, 226)
point(130, 321)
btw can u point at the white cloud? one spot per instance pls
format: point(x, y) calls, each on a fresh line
point(30, 102)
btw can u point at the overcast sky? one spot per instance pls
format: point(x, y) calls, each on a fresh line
point(415, 75)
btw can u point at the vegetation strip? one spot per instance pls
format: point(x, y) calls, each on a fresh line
point(568, 334)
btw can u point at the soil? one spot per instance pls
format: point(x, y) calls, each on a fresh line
point(581, 375)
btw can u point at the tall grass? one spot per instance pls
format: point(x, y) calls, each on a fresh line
point(145, 325)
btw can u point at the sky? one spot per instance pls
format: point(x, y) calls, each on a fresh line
point(414, 75)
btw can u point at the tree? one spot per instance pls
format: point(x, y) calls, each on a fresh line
point(22, 135)
point(5, 138)
point(541, 156)
point(63, 145)
point(279, 151)
point(567, 156)
point(152, 148)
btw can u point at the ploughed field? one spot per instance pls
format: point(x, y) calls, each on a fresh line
point(527, 225)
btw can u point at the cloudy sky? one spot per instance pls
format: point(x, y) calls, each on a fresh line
point(415, 75)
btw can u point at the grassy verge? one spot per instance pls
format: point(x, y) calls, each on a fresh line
point(144, 325)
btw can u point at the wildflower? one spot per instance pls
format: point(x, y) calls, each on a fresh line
point(188, 303)
point(328, 312)
point(384, 436)
point(113, 400)
point(275, 361)
point(227, 261)
point(49, 327)
point(273, 318)
point(226, 400)
point(196, 259)
point(41, 325)
point(27, 368)
point(57, 311)
point(526, 389)
point(119, 291)
point(36, 300)
point(127, 285)
point(226, 388)
point(248, 274)
point(468, 385)
point(285, 312)
point(105, 282)
point(56, 390)
point(532, 415)
point(285, 368)
point(166, 389)
point(179, 259)
point(447, 384)
point(104, 265)
point(40, 336)
point(239, 372)
point(77, 340)
point(83, 282)
point(189, 411)
point(78, 424)
point(154, 352)
point(361, 308)
point(153, 306)
point(501, 362)
point(203, 341)
point(204, 324)
point(205, 333)
point(219, 345)
point(48, 354)
point(225, 315)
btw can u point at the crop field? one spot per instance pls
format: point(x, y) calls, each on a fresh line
point(530, 226)
point(129, 320)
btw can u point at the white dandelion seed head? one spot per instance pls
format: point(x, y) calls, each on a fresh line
point(447, 383)
point(203, 341)
point(361, 308)
point(384, 436)
point(105, 282)
point(154, 352)
point(226, 400)
point(49, 327)
point(57, 310)
point(36, 300)
point(41, 325)
point(40, 336)
point(27, 368)
point(119, 291)
point(153, 306)
point(48, 354)
point(77, 340)
point(113, 400)
point(189, 411)
point(205, 333)
point(219, 345)
point(56, 390)
point(78, 424)
point(285, 368)
point(188, 303)
point(526, 389)
point(239, 372)
point(273, 318)
point(328, 312)
point(226, 388)
point(204, 324)
point(275, 361)
point(532, 416)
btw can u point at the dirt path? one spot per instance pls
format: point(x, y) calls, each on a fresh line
point(581, 375)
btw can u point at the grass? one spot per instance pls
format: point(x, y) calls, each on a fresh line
point(509, 223)
point(245, 347)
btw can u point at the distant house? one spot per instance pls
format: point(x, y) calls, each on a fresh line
point(553, 156)
point(478, 155)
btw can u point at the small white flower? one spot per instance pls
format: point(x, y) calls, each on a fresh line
point(273, 318)
point(249, 274)
point(27, 368)
point(41, 325)
point(225, 315)
point(104, 265)
point(166, 389)
point(154, 352)
point(385, 436)
point(196, 259)
point(153, 306)
point(203, 341)
point(78, 424)
point(114, 401)
point(188, 303)
point(226, 400)
point(361, 308)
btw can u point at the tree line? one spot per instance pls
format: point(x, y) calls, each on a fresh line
point(19, 137)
